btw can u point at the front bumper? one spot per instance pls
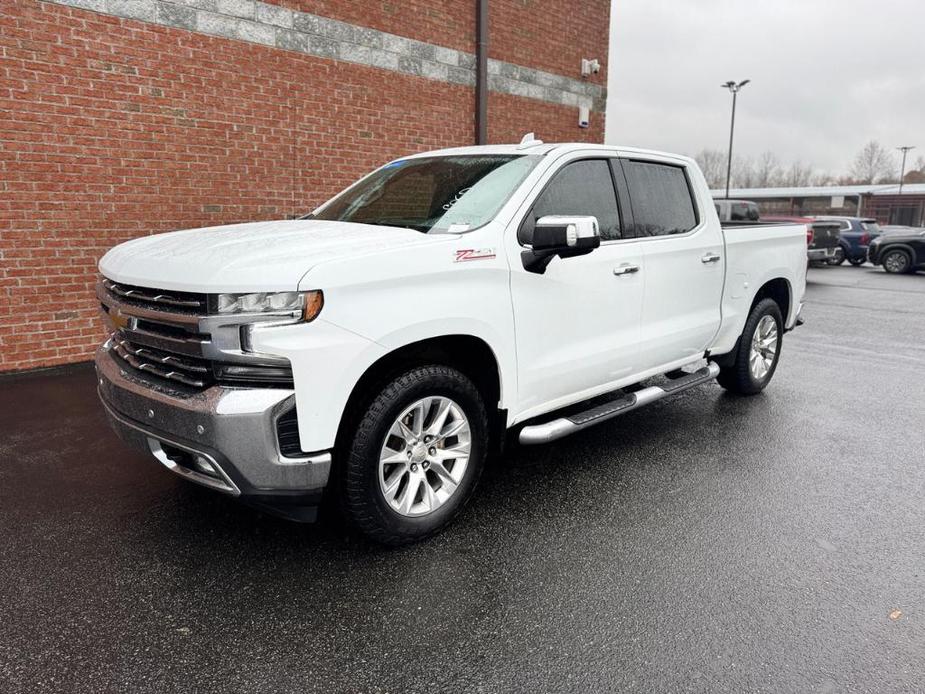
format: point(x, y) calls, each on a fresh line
point(222, 437)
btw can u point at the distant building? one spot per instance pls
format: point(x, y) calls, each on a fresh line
point(882, 202)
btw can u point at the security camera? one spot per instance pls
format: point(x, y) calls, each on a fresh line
point(590, 67)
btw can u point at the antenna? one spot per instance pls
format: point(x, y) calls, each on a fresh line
point(528, 140)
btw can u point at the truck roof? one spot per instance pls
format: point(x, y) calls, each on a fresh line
point(542, 148)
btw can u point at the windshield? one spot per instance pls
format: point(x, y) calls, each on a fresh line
point(452, 193)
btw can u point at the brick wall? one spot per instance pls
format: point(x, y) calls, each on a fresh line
point(111, 128)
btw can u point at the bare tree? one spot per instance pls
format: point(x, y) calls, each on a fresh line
point(917, 174)
point(713, 164)
point(743, 172)
point(872, 164)
point(823, 179)
point(798, 175)
point(767, 170)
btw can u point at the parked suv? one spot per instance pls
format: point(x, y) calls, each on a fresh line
point(856, 235)
point(899, 251)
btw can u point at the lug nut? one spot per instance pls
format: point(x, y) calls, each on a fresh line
point(409, 453)
point(427, 439)
point(414, 467)
point(433, 451)
point(425, 465)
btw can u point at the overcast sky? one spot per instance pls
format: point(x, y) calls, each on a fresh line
point(827, 76)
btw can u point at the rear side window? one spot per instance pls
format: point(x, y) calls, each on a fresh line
point(661, 197)
point(581, 188)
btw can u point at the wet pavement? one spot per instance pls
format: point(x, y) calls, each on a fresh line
point(704, 543)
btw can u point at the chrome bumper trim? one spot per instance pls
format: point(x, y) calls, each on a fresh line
point(154, 442)
point(237, 424)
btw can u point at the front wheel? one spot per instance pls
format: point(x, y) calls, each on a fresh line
point(415, 456)
point(896, 262)
point(757, 353)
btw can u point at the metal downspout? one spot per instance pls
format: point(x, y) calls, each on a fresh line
point(481, 72)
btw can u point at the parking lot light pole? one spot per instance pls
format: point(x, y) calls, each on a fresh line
point(734, 88)
point(902, 171)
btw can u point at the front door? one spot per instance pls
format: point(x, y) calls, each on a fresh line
point(577, 325)
point(684, 261)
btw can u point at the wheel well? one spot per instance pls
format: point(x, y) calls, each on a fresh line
point(777, 289)
point(470, 355)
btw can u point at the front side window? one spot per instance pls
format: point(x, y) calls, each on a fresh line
point(581, 188)
point(661, 198)
point(432, 194)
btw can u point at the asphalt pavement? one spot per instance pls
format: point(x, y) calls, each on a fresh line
point(705, 543)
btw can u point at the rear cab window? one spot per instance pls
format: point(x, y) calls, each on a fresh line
point(661, 197)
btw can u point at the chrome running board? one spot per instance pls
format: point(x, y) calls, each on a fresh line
point(557, 428)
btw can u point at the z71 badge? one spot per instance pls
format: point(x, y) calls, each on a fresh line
point(467, 254)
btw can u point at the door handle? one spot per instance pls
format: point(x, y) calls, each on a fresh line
point(709, 258)
point(626, 269)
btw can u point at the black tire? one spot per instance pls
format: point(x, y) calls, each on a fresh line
point(738, 377)
point(896, 261)
point(857, 262)
point(839, 257)
point(363, 503)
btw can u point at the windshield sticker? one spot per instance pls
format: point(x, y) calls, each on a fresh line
point(467, 254)
point(456, 198)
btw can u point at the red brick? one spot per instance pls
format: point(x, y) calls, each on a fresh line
point(113, 129)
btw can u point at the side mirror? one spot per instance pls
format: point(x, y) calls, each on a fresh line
point(563, 236)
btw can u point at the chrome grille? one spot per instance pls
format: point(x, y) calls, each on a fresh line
point(172, 367)
point(158, 298)
point(171, 336)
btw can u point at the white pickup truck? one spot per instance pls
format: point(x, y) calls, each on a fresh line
point(380, 347)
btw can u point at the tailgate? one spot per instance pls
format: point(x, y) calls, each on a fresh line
point(825, 235)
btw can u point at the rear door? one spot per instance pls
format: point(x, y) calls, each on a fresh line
point(683, 251)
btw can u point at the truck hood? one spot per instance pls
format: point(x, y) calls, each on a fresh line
point(258, 256)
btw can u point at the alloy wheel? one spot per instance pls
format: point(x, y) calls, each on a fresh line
point(424, 456)
point(896, 262)
point(763, 348)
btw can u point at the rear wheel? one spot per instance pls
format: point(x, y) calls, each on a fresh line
point(757, 353)
point(416, 455)
point(838, 258)
point(896, 262)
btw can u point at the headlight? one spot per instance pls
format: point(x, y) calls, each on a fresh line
point(309, 303)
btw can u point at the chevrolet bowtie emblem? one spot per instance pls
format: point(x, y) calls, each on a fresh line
point(120, 320)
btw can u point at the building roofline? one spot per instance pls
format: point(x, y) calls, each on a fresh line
point(820, 191)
